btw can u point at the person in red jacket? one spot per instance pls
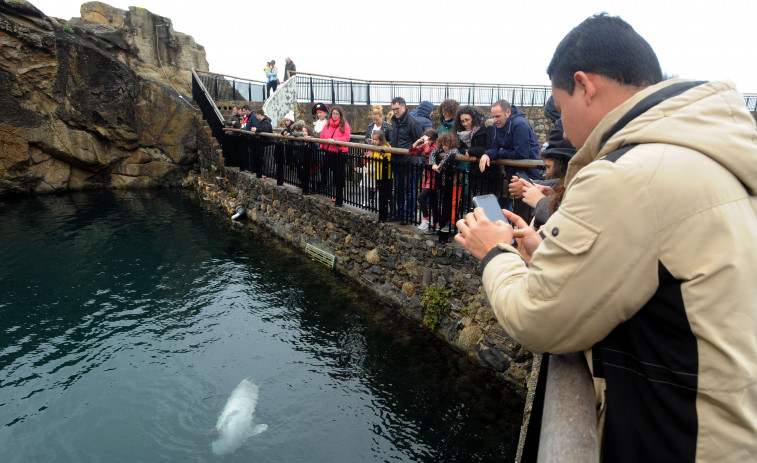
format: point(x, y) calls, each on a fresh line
point(337, 129)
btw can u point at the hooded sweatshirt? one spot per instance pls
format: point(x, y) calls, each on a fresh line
point(649, 266)
point(423, 113)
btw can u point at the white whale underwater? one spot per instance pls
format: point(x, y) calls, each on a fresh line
point(234, 425)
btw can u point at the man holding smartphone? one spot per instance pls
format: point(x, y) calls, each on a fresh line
point(649, 265)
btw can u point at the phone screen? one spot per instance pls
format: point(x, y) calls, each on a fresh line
point(491, 207)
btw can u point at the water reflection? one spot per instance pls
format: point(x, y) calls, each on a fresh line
point(128, 318)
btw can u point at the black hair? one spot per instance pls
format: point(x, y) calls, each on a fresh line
point(400, 100)
point(475, 114)
point(608, 46)
point(431, 134)
point(260, 111)
point(247, 107)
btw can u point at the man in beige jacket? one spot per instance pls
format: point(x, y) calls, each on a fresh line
point(650, 264)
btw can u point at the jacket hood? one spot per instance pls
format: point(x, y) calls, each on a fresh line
point(550, 110)
point(425, 108)
point(709, 117)
point(515, 112)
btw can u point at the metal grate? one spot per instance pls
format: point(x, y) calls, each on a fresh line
point(320, 255)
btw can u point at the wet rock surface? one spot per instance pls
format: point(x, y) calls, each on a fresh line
point(94, 102)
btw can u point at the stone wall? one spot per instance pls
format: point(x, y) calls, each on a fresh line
point(392, 261)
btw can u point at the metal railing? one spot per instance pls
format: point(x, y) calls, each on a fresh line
point(343, 90)
point(388, 184)
point(750, 99)
point(210, 111)
point(229, 88)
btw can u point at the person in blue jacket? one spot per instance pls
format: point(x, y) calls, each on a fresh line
point(512, 138)
point(422, 114)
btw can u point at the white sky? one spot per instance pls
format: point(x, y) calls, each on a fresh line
point(493, 41)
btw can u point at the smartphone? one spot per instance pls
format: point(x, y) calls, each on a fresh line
point(491, 207)
point(525, 177)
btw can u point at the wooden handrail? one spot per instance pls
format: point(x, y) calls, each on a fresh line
point(569, 420)
point(504, 162)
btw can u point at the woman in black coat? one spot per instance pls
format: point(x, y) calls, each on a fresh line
point(475, 138)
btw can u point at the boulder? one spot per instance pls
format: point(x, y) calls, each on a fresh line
point(100, 101)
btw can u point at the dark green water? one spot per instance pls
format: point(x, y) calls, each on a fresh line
point(126, 320)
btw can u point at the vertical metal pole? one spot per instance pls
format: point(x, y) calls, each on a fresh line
point(352, 94)
point(368, 93)
point(312, 92)
point(278, 153)
point(333, 93)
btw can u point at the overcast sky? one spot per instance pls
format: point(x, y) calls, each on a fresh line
point(494, 41)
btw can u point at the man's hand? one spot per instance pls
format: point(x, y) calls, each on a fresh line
point(479, 235)
point(484, 162)
point(526, 236)
point(516, 187)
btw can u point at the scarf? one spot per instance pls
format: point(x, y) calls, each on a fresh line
point(466, 136)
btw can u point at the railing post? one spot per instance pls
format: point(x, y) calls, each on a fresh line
point(312, 92)
point(368, 92)
point(278, 153)
point(215, 87)
point(473, 94)
point(333, 93)
point(420, 92)
point(340, 161)
point(446, 90)
point(384, 189)
point(352, 94)
point(307, 161)
point(569, 420)
point(256, 154)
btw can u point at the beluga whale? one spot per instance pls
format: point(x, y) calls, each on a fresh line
point(234, 424)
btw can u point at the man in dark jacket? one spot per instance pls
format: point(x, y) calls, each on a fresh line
point(265, 126)
point(289, 69)
point(407, 169)
point(251, 121)
point(512, 138)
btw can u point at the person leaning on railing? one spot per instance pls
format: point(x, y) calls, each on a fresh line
point(337, 129)
point(649, 264)
point(427, 198)
point(377, 124)
point(382, 167)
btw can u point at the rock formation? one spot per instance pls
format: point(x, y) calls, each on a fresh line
point(100, 101)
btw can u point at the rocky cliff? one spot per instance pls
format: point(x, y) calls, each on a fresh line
point(100, 101)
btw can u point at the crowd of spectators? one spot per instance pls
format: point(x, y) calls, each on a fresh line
point(415, 180)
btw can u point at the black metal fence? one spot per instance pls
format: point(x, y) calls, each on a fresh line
point(227, 88)
point(336, 90)
point(386, 181)
point(208, 107)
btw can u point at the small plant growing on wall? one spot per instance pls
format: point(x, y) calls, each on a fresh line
point(435, 304)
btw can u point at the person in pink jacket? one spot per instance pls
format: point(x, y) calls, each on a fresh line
point(337, 129)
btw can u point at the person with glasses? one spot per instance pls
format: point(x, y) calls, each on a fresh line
point(408, 169)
